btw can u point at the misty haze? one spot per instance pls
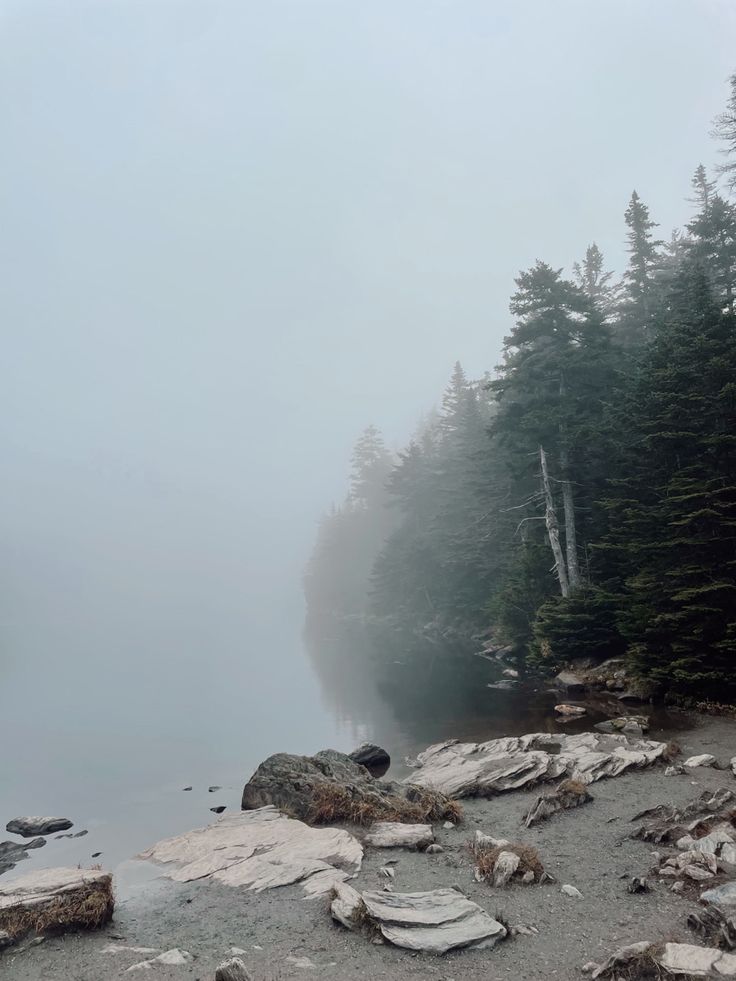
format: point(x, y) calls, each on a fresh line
point(369, 379)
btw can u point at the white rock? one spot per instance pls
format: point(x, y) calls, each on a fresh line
point(233, 970)
point(173, 958)
point(434, 849)
point(697, 961)
point(483, 769)
point(568, 890)
point(732, 764)
point(705, 759)
point(435, 921)
point(302, 962)
point(506, 864)
point(347, 906)
point(122, 948)
point(724, 895)
point(488, 841)
point(448, 826)
point(392, 834)
point(260, 849)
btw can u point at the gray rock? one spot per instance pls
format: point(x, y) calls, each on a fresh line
point(373, 758)
point(483, 769)
point(724, 895)
point(506, 864)
point(435, 921)
point(233, 970)
point(702, 962)
point(571, 891)
point(566, 796)
point(213, 788)
point(434, 849)
point(631, 725)
point(172, 958)
point(5, 939)
point(329, 785)
point(390, 834)
point(620, 958)
point(569, 682)
point(29, 827)
point(704, 759)
point(12, 852)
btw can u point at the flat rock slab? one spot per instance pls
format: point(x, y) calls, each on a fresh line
point(436, 921)
point(261, 849)
point(699, 962)
point(390, 834)
point(30, 827)
point(56, 899)
point(482, 769)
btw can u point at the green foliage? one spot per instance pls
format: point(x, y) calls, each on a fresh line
point(583, 625)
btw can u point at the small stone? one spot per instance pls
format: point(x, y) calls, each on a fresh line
point(175, 958)
point(186, 788)
point(212, 789)
point(448, 826)
point(389, 873)
point(219, 809)
point(302, 962)
point(434, 849)
point(677, 887)
point(571, 891)
point(96, 854)
point(528, 878)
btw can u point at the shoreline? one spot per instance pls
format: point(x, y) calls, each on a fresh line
point(587, 847)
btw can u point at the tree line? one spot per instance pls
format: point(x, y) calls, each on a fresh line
point(580, 499)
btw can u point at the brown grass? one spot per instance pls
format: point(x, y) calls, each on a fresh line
point(573, 787)
point(332, 802)
point(529, 860)
point(671, 751)
point(86, 909)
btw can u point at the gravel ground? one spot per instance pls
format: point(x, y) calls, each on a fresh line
point(587, 847)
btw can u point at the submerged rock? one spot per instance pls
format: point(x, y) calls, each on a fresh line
point(373, 758)
point(29, 827)
point(56, 899)
point(482, 769)
point(631, 725)
point(435, 922)
point(572, 710)
point(260, 850)
point(12, 852)
point(330, 787)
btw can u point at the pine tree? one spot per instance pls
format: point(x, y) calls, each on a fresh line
point(640, 278)
point(594, 280)
point(713, 240)
point(725, 131)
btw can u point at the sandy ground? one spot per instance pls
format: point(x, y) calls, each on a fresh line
point(587, 847)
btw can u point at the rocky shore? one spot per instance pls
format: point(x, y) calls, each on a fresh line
point(502, 895)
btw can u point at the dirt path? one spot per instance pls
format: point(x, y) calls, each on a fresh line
point(587, 847)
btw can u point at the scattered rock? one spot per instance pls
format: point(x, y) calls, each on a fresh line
point(528, 878)
point(569, 682)
point(448, 826)
point(331, 787)
point(96, 854)
point(387, 871)
point(218, 810)
point(435, 921)
point(56, 899)
point(506, 864)
point(501, 861)
point(572, 710)
point(186, 788)
point(631, 725)
point(260, 850)
point(29, 827)
point(665, 823)
point(732, 764)
point(619, 959)
point(483, 769)
point(213, 789)
point(724, 895)
point(568, 794)
point(80, 834)
point(677, 887)
point(568, 890)
point(5, 939)
point(674, 770)
point(637, 884)
point(510, 673)
point(233, 970)
point(173, 958)
point(302, 962)
point(434, 849)
point(705, 759)
point(392, 834)
point(12, 852)
point(373, 758)
point(715, 926)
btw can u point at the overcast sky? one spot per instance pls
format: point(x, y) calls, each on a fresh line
point(234, 233)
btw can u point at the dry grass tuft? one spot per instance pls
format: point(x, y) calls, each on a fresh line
point(87, 909)
point(671, 751)
point(529, 860)
point(332, 802)
point(573, 788)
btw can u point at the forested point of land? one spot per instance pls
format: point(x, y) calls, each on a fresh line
point(580, 499)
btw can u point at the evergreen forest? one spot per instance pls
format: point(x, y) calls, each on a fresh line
point(580, 498)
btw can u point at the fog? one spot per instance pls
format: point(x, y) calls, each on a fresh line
point(233, 234)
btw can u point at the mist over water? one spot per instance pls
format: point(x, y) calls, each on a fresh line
point(231, 236)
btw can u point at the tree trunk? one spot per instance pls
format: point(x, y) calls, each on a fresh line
point(571, 538)
point(553, 530)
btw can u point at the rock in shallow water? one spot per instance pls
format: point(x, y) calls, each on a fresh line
point(373, 758)
point(29, 827)
point(482, 769)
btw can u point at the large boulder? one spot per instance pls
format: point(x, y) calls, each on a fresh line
point(332, 787)
point(499, 765)
point(30, 827)
point(56, 900)
point(570, 682)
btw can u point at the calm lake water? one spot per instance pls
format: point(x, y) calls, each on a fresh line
point(117, 692)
